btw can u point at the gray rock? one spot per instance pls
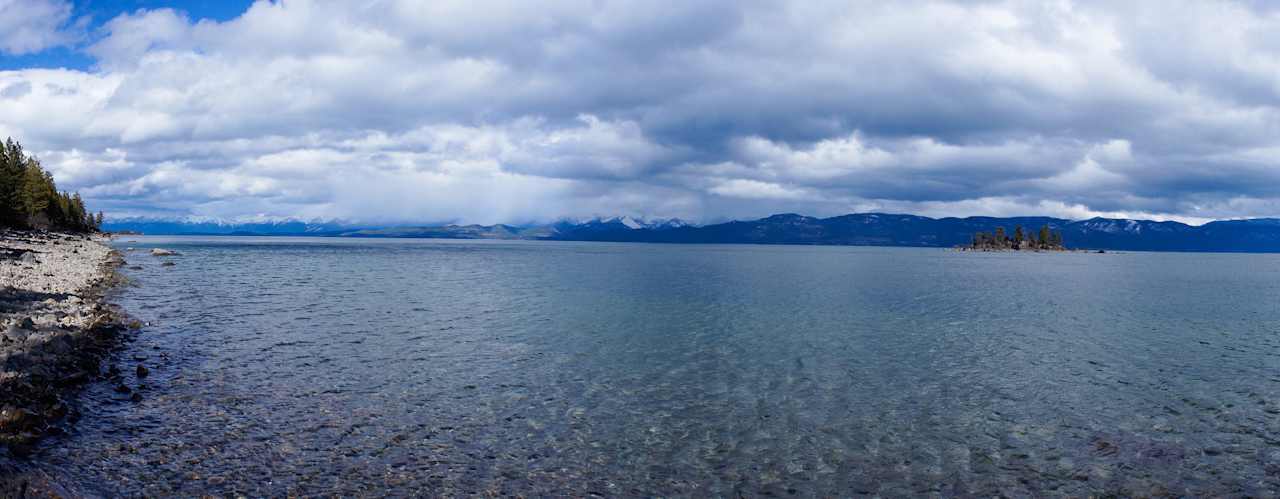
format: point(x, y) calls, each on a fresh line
point(15, 334)
point(163, 252)
point(42, 323)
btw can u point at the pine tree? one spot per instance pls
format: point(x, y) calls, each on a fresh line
point(1044, 236)
point(63, 211)
point(77, 215)
point(34, 196)
point(12, 178)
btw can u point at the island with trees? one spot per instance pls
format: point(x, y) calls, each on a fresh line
point(1044, 240)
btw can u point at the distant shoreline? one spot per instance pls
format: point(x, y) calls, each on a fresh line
point(867, 229)
point(943, 248)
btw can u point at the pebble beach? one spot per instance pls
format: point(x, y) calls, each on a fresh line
point(55, 328)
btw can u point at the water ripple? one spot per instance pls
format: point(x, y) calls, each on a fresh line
point(338, 367)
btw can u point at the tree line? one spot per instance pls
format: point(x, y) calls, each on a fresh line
point(1046, 239)
point(29, 199)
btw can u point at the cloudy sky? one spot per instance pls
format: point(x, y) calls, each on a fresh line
point(479, 111)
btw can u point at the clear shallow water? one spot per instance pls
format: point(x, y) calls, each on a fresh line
point(322, 366)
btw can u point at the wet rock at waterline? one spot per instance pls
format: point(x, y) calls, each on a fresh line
point(55, 328)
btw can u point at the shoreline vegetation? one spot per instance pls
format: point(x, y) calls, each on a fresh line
point(1044, 240)
point(29, 198)
point(55, 324)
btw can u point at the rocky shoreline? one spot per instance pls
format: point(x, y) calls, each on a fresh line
point(55, 329)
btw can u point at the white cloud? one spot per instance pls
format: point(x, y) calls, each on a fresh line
point(1094, 172)
point(29, 26)
point(755, 189)
point(493, 111)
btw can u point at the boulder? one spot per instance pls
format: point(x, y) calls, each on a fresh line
point(163, 252)
point(15, 334)
point(16, 418)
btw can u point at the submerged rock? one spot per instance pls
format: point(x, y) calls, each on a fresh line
point(142, 371)
point(16, 418)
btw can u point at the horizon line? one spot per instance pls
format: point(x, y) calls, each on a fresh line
point(204, 219)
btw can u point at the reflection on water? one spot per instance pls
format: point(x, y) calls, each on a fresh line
point(322, 366)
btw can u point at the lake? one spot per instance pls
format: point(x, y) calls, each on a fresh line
point(433, 367)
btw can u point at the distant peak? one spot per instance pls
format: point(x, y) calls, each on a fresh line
point(629, 222)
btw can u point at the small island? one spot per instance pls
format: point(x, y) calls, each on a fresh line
point(1045, 240)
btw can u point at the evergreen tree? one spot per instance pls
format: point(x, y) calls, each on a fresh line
point(64, 210)
point(12, 177)
point(78, 213)
point(29, 198)
point(1044, 236)
point(34, 197)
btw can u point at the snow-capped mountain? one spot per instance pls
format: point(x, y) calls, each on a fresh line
point(855, 229)
point(215, 226)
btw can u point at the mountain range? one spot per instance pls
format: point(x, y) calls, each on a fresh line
point(862, 229)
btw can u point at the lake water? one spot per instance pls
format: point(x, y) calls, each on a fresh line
point(426, 367)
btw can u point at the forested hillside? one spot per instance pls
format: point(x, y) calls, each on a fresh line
point(29, 198)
